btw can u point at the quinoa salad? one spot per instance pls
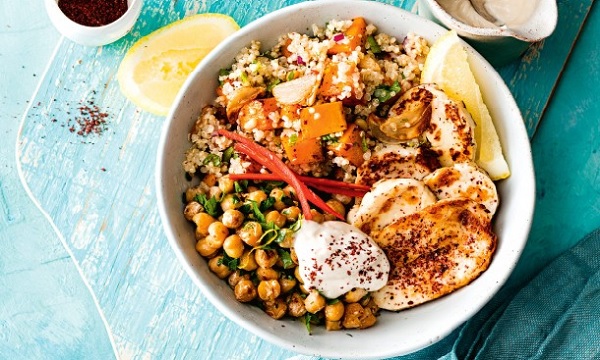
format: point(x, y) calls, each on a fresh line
point(313, 166)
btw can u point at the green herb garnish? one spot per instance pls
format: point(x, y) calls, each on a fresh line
point(211, 206)
point(228, 261)
point(240, 186)
point(212, 158)
point(227, 155)
point(383, 93)
point(373, 45)
point(286, 258)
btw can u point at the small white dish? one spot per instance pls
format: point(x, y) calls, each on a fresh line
point(94, 35)
point(497, 44)
point(395, 333)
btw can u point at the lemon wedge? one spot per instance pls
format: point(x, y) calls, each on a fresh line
point(447, 66)
point(153, 70)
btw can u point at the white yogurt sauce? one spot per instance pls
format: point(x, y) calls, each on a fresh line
point(335, 257)
point(513, 13)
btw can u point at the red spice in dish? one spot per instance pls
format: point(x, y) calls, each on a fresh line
point(93, 12)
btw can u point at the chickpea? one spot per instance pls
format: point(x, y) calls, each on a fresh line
point(214, 191)
point(210, 180)
point(266, 258)
point(220, 269)
point(269, 290)
point(335, 311)
point(213, 241)
point(232, 218)
point(333, 325)
point(202, 221)
point(294, 256)
point(277, 194)
point(288, 239)
point(275, 309)
point(251, 233)
point(218, 230)
point(287, 284)
point(233, 246)
point(279, 205)
point(244, 290)
point(344, 199)
point(337, 206)
point(289, 191)
point(191, 193)
point(267, 273)
point(314, 302)
point(296, 305)
point(303, 289)
point(247, 261)
point(257, 195)
point(355, 295)
point(291, 213)
point(226, 184)
point(357, 317)
point(251, 188)
point(204, 249)
point(297, 275)
point(276, 218)
point(230, 201)
point(236, 277)
point(317, 216)
point(191, 209)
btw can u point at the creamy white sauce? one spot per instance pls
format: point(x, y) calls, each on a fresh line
point(512, 13)
point(335, 257)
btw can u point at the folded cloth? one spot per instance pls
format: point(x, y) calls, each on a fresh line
point(555, 316)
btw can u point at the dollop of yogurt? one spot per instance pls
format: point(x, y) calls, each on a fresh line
point(334, 257)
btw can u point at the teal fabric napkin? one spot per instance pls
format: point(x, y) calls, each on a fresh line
point(554, 316)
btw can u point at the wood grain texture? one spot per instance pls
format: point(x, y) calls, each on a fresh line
point(47, 312)
point(99, 191)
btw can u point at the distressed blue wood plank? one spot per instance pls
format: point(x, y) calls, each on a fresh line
point(532, 79)
point(99, 191)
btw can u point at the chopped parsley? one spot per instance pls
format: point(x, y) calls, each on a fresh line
point(211, 206)
point(212, 158)
point(227, 155)
point(383, 93)
point(373, 45)
point(228, 261)
point(286, 258)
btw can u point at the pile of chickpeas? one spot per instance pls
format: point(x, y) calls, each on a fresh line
point(261, 277)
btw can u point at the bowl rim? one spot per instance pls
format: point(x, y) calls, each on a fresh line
point(212, 296)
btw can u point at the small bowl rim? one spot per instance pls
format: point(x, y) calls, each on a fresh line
point(66, 26)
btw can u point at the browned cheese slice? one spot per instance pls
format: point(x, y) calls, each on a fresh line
point(434, 252)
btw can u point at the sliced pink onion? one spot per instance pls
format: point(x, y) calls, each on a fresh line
point(338, 37)
point(300, 61)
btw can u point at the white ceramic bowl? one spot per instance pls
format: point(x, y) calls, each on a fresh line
point(394, 333)
point(94, 35)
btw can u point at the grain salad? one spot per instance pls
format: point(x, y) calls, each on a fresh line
point(311, 152)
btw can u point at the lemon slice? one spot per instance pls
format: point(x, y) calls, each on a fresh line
point(153, 70)
point(448, 67)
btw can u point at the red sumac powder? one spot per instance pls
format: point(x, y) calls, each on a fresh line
point(93, 12)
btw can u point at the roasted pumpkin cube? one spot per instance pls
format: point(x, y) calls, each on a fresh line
point(355, 35)
point(262, 114)
point(341, 80)
point(322, 119)
point(349, 145)
point(302, 151)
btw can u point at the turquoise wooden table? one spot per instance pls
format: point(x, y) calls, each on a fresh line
point(85, 270)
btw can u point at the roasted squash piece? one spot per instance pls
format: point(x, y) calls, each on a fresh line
point(302, 151)
point(322, 119)
point(349, 145)
point(354, 36)
point(260, 114)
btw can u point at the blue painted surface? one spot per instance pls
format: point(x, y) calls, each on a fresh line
point(108, 218)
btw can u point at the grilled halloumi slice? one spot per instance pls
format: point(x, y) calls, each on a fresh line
point(451, 130)
point(465, 180)
point(434, 252)
point(388, 201)
point(396, 161)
